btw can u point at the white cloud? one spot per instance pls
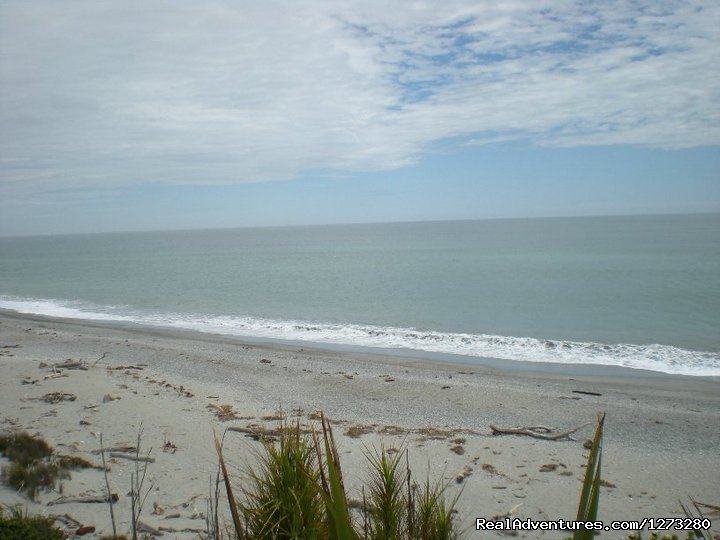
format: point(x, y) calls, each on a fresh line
point(112, 93)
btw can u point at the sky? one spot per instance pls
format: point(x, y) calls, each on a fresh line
point(126, 115)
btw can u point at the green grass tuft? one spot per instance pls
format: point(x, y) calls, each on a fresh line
point(20, 526)
point(431, 516)
point(281, 498)
point(386, 502)
point(296, 490)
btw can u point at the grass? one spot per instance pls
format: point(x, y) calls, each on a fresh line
point(33, 477)
point(281, 499)
point(337, 513)
point(432, 515)
point(74, 463)
point(386, 496)
point(23, 448)
point(20, 526)
point(33, 464)
point(296, 490)
point(590, 494)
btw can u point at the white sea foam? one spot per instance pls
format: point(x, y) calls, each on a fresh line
point(55, 308)
point(661, 358)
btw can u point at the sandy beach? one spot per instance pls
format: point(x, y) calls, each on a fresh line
point(661, 436)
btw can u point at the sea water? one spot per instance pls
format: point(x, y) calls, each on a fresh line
point(635, 291)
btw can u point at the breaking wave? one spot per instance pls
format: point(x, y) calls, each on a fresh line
point(661, 358)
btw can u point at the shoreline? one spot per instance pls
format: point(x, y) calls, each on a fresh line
point(660, 438)
point(435, 359)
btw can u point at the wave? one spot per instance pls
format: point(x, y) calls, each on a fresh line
point(661, 358)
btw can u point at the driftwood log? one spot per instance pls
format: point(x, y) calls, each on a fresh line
point(258, 433)
point(85, 499)
point(132, 457)
point(71, 364)
point(119, 448)
point(144, 527)
point(67, 520)
point(538, 432)
point(586, 392)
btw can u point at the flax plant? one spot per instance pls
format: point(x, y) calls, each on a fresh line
point(386, 503)
point(296, 490)
point(590, 494)
point(339, 525)
point(431, 515)
point(281, 497)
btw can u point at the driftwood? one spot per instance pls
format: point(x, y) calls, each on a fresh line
point(223, 412)
point(258, 432)
point(54, 376)
point(185, 530)
point(85, 499)
point(71, 364)
point(463, 474)
point(96, 361)
point(67, 520)
point(129, 366)
point(132, 457)
point(538, 432)
point(57, 397)
point(119, 448)
point(144, 527)
point(587, 393)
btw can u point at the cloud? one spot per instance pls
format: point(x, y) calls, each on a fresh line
point(110, 93)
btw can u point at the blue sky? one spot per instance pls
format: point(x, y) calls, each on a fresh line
point(175, 115)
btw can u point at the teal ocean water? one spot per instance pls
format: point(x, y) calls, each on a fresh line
point(641, 292)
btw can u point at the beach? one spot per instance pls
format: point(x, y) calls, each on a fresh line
point(477, 240)
point(660, 445)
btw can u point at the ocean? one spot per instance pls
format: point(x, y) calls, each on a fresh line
point(636, 291)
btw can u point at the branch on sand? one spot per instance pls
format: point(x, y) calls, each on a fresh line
point(132, 457)
point(85, 499)
point(538, 432)
point(259, 433)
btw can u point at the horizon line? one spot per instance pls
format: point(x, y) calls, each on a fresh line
point(354, 223)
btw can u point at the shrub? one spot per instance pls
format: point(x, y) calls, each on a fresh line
point(23, 448)
point(32, 477)
point(19, 526)
point(32, 463)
